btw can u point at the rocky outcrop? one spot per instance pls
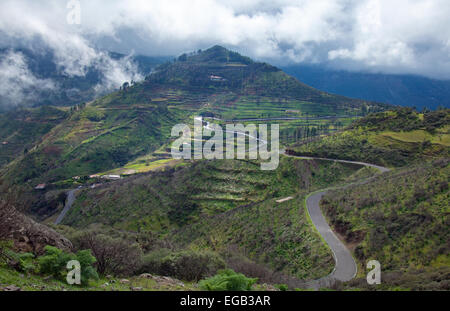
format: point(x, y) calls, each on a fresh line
point(27, 234)
point(162, 280)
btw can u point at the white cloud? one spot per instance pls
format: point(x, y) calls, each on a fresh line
point(18, 84)
point(399, 37)
point(27, 22)
point(115, 72)
point(402, 36)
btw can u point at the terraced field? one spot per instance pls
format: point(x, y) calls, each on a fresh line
point(394, 138)
point(421, 136)
point(207, 187)
point(222, 205)
point(243, 107)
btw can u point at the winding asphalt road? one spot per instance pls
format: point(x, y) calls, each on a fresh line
point(345, 268)
point(69, 202)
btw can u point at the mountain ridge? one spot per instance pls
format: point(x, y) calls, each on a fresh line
point(395, 89)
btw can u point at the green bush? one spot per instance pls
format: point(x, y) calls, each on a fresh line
point(20, 261)
point(26, 262)
point(55, 260)
point(87, 270)
point(228, 280)
point(151, 262)
point(113, 255)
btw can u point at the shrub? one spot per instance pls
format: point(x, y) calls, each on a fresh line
point(26, 262)
point(20, 261)
point(184, 265)
point(87, 270)
point(151, 262)
point(227, 280)
point(115, 256)
point(55, 260)
point(93, 114)
point(243, 265)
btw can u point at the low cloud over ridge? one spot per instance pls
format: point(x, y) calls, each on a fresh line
point(402, 36)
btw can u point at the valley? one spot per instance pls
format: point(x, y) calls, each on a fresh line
point(100, 176)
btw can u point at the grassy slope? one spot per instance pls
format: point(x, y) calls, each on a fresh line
point(203, 188)
point(392, 138)
point(34, 282)
point(21, 129)
point(400, 219)
point(276, 235)
point(91, 140)
point(220, 205)
point(251, 89)
point(95, 139)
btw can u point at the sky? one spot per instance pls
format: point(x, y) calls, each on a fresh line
point(380, 36)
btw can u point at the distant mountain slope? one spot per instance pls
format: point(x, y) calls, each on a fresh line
point(35, 78)
point(401, 90)
point(21, 129)
point(220, 69)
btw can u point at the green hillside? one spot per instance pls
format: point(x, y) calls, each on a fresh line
point(166, 199)
point(391, 138)
point(22, 129)
point(206, 213)
point(402, 220)
point(250, 89)
point(401, 217)
point(222, 206)
point(92, 139)
point(113, 131)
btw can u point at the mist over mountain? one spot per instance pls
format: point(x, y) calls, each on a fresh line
point(35, 77)
point(401, 90)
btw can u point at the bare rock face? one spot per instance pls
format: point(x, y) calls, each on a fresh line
point(27, 234)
